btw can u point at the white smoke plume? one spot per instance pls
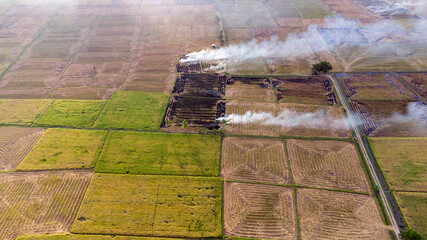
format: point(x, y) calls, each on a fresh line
point(341, 31)
point(288, 118)
point(416, 114)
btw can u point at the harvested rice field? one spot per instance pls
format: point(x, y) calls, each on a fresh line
point(254, 160)
point(327, 164)
point(259, 211)
point(336, 215)
point(258, 128)
point(151, 205)
point(40, 202)
point(15, 143)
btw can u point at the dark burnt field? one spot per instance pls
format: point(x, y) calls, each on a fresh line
point(311, 90)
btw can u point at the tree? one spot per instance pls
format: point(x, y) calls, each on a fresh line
point(321, 67)
point(410, 234)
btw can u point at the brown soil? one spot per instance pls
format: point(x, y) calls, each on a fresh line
point(336, 215)
point(82, 93)
point(258, 211)
point(255, 160)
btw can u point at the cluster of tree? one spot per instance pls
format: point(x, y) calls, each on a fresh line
point(410, 234)
point(321, 67)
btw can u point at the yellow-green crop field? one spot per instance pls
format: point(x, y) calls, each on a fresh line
point(65, 149)
point(160, 153)
point(133, 110)
point(22, 111)
point(402, 161)
point(88, 237)
point(164, 206)
point(72, 113)
point(414, 208)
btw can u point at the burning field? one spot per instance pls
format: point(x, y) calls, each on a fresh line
point(276, 119)
point(387, 104)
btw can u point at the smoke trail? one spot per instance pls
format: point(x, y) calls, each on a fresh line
point(416, 114)
point(288, 118)
point(340, 31)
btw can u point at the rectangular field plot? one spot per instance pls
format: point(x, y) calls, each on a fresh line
point(157, 82)
point(84, 93)
point(88, 237)
point(249, 88)
point(15, 143)
point(151, 206)
point(259, 211)
point(72, 113)
point(23, 112)
point(417, 81)
point(196, 111)
point(391, 118)
point(413, 206)
point(200, 85)
point(40, 202)
point(374, 86)
point(159, 153)
point(402, 161)
point(336, 215)
point(255, 160)
point(65, 149)
point(240, 108)
point(309, 90)
point(133, 110)
point(327, 164)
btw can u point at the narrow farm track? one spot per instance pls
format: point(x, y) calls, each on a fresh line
point(367, 155)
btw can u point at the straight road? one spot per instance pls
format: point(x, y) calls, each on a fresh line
point(370, 162)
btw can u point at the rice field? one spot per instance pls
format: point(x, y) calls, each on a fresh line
point(15, 143)
point(40, 202)
point(255, 160)
point(259, 211)
point(327, 164)
point(163, 206)
point(336, 215)
point(64, 149)
point(160, 153)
